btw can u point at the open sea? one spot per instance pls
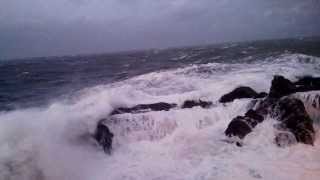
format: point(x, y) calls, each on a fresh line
point(49, 105)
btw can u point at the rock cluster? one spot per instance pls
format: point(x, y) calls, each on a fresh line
point(289, 111)
point(241, 92)
point(294, 125)
point(161, 106)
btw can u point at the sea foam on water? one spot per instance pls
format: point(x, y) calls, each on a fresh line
point(50, 143)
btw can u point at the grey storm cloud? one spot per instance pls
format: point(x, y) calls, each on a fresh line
point(59, 27)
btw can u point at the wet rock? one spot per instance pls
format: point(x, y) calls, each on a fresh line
point(242, 125)
point(308, 83)
point(241, 92)
point(104, 137)
point(294, 122)
point(193, 103)
point(254, 115)
point(238, 127)
point(262, 95)
point(289, 111)
point(266, 106)
point(161, 106)
point(293, 117)
point(280, 87)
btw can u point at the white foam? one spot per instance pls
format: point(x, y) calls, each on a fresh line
point(54, 143)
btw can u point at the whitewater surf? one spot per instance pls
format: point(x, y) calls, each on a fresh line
point(53, 141)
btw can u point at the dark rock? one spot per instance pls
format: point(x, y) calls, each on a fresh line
point(295, 124)
point(254, 115)
point(193, 103)
point(293, 117)
point(241, 92)
point(265, 106)
point(104, 137)
point(242, 125)
point(121, 110)
point(280, 87)
point(308, 83)
point(262, 95)
point(161, 106)
point(238, 127)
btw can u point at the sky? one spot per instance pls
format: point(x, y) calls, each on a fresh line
point(31, 28)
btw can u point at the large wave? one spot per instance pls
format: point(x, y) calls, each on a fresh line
point(50, 143)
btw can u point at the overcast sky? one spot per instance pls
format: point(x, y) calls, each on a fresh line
point(65, 27)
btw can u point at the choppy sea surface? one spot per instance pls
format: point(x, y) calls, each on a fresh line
point(49, 106)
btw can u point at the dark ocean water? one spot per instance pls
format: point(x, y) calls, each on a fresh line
point(38, 81)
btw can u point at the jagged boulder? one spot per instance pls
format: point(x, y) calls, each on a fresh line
point(193, 103)
point(293, 117)
point(295, 125)
point(241, 92)
point(280, 87)
point(240, 126)
point(294, 122)
point(104, 136)
point(265, 106)
point(308, 83)
point(254, 115)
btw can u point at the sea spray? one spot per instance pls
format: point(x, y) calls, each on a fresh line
point(54, 142)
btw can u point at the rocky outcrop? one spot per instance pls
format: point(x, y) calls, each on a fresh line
point(280, 87)
point(161, 106)
point(294, 121)
point(193, 103)
point(241, 92)
point(293, 117)
point(240, 126)
point(308, 83)
point(103, 136)
point(295, 125)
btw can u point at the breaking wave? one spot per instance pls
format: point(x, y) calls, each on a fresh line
point(50, 143)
